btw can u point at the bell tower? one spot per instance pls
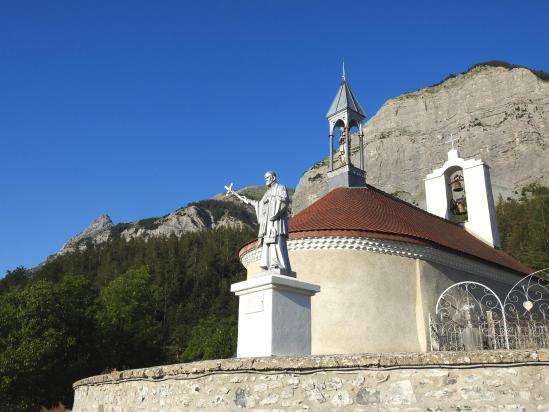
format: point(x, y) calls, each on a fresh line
point(344, 114)
point(461, 191)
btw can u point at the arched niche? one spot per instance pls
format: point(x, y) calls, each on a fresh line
point(456, 193)
point(481, 213)
point(343, 132)
point(338, 143)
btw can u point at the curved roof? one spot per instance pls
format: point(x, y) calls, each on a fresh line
point(370, 212)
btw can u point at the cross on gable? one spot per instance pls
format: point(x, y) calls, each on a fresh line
point(452, 140)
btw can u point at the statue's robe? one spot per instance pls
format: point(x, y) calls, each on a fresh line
point(272, 216)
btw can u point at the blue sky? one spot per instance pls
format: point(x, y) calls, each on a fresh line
point(136, 108)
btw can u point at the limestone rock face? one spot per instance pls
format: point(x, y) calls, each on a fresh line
point(220, 212)
point(499, 115)
point(196, 217)
point(187, 219)
point(183, 220)
point(98, 231)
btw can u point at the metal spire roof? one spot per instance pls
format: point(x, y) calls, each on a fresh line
point(345, 100)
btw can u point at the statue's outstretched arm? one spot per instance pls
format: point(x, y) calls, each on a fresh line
point(240, 197)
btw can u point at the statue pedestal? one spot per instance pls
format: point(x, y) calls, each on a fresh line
point(274, 316)
point(346, 176)
point(277, 271)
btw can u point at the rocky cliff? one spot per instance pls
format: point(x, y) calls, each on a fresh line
point(216, 213)
point(499, 114)
point(97, 232)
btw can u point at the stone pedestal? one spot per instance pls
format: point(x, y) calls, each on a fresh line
point(276, 271)
point(346, 176)
point(274, 316)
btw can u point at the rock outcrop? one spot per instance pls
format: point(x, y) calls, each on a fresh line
point(217, 213)
point(220, 212)
point(184, 220)
point(500, 115)
point(97, 232)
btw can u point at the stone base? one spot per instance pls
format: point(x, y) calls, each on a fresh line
point(274, 316)
point(346, 176)
point(445, 381)
point(277, 271)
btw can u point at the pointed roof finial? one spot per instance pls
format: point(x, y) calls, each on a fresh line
point(345, 100)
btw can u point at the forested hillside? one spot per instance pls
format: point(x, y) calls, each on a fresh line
point(524, 226)
point(117, 305)
point(134, 303)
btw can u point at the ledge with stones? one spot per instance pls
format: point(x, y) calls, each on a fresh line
point(327, 362)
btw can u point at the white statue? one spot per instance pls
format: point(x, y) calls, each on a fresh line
point(342, 152)
point(272, 216)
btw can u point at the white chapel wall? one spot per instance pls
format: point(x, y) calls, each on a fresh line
point(377, 301)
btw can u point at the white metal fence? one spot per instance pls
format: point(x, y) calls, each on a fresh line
point(470, 316)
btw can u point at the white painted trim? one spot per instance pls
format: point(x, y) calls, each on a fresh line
point(271, 281)
point(391, 247)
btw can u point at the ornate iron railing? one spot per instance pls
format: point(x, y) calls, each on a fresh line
point(470, 316)
point(526, 308)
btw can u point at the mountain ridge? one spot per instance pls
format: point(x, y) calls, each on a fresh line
point(216, 213)
point(498, 111)
point(404, 141)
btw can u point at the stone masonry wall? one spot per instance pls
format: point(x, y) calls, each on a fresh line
point(436, 381)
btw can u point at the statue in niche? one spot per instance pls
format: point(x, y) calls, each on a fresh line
point(272, 216)
point(342, 139)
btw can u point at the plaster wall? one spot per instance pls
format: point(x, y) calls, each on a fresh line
point(366, 302)
point(372, 302)
point(436, 196)
point(435, 278)
point(482, 212)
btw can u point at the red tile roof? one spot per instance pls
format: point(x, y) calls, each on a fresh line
point(370, 212)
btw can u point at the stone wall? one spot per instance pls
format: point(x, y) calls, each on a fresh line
point(436, 381)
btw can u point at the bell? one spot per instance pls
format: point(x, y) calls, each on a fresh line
point(461, 207)
point(456, 183)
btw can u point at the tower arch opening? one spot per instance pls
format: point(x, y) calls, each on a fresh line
point(456, 194)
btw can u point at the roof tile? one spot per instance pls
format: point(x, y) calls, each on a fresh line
point(370, 212)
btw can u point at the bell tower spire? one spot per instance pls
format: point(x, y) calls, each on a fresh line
point(345, 113)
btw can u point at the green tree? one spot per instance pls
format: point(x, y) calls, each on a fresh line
point(524, 226)
point(123, 317)
point(18, 276)
point(212, 338)
point(46, 342)
point(126, 319)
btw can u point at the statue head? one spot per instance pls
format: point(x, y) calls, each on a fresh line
point(270, 177)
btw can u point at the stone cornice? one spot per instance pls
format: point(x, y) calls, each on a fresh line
point(306, 364)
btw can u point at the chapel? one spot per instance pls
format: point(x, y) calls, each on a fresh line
point(382, 263)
